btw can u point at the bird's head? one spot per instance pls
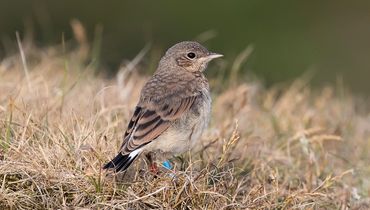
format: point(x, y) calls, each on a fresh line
point(188, 55)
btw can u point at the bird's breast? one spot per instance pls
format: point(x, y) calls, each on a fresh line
point(185, 132)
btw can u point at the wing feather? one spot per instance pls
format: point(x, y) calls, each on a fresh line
point(150, 121)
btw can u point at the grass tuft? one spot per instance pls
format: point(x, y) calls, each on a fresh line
point(287, 147)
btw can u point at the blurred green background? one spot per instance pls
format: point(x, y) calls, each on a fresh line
point(330, 39)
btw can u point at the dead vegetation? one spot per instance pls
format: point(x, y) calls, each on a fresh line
point(285, 147)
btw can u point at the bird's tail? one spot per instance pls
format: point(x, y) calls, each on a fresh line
point(122, 162)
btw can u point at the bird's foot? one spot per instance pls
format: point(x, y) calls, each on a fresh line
point(167, 165)
point(153, 168)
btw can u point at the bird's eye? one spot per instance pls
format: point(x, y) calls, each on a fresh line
point(191, 55)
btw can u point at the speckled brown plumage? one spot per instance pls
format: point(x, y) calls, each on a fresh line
point(174, 106)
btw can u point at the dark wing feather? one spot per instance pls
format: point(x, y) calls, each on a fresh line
point(151, 120)
point(132, 122)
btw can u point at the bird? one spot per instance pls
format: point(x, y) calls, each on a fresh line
point(173, 110)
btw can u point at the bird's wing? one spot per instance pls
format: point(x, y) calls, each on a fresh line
point(151, 119)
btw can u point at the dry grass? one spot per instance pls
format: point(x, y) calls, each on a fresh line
point(281, 148)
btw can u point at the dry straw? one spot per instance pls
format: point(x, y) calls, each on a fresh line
point(291, 148)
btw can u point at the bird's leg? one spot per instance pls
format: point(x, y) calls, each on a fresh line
point(153, 168)
point(167, 165)
point(182, 161)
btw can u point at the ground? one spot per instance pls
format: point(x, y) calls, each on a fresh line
point(285, 147)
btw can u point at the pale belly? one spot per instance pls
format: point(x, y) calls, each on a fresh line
point(185, 132)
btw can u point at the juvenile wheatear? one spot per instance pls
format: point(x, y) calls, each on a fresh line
point(174, 107)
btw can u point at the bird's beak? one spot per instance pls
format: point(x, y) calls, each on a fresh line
point(212, 56)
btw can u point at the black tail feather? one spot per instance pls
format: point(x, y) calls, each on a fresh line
point(120, 162)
